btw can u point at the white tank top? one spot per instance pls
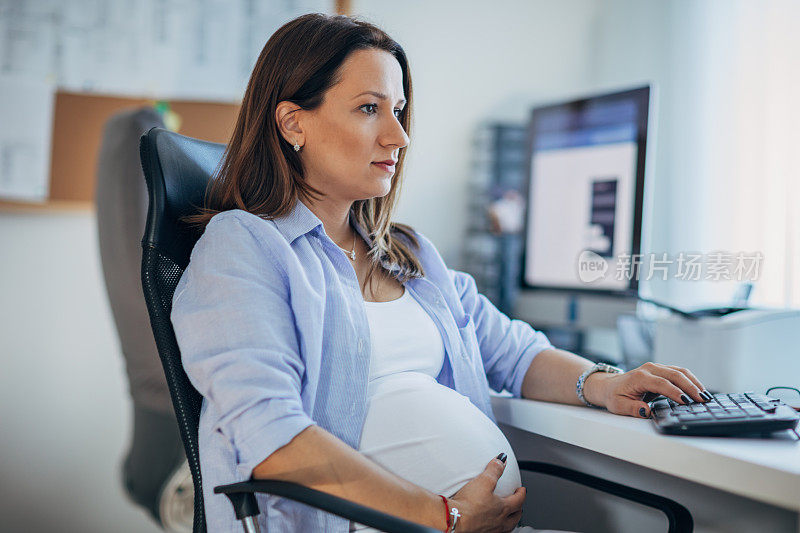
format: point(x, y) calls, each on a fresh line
point(415, 427)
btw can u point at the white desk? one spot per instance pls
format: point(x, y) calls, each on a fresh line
point(766, 471)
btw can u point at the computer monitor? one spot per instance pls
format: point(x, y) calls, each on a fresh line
point(585, 194)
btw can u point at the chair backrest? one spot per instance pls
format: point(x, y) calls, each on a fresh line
point(121, 198)
point(177, 170)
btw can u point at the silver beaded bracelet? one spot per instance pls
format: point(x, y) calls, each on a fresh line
point(598, 367)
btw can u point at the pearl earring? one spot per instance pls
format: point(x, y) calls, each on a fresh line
point(296, 147)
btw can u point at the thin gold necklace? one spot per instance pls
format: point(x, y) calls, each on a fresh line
point(351, 253)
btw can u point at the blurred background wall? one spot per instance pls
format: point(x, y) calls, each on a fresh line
point(472, 63)
point(727, 78)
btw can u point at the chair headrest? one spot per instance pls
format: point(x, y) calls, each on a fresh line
point(177, 170)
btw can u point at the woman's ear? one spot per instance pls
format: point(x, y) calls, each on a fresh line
point(286, 116)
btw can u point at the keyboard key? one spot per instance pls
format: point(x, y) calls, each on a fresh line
point(728, 415)
point(759, 397)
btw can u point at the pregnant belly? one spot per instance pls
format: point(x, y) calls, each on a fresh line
point(431, 435)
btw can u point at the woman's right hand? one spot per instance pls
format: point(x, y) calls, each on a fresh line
point(481, 510)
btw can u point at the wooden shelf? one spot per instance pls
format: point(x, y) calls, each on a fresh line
point(10, 206)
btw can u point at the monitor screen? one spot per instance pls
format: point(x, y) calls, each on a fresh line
point(585, 193)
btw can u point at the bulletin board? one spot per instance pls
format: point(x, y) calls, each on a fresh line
point(78, 121)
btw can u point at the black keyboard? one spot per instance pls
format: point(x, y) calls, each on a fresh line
point(725, 414)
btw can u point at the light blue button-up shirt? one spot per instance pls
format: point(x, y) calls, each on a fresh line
point(272, 328)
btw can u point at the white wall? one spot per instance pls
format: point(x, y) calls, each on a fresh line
point(66, 415)
point(727, 74)
point(473, 62)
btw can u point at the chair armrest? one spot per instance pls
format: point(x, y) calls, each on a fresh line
point(242, 497)
point(680, 519)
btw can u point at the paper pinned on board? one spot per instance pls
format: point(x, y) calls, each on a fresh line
point(26, 115)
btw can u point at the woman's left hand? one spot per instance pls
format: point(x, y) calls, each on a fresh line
point(622, 393)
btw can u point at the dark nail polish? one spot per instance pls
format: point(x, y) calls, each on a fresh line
point(704, 396)
point(502, 457)
point(708, 395)
point(642, 412)
point(685, 399)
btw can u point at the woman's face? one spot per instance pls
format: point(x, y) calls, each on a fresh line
point(356, 129)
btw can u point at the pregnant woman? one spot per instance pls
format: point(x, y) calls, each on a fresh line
point(332, 346)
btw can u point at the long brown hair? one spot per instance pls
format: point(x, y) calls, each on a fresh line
point(262, 174)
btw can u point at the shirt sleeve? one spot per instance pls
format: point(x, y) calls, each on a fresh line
point(236, 332)
point(507, 346)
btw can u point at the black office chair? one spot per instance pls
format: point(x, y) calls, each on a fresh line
point(177, 170)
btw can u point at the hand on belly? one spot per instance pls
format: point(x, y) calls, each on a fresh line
point(434, 437)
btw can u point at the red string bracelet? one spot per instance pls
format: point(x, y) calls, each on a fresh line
point(446, 513)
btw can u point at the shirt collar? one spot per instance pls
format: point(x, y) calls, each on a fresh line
point(299, 221)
